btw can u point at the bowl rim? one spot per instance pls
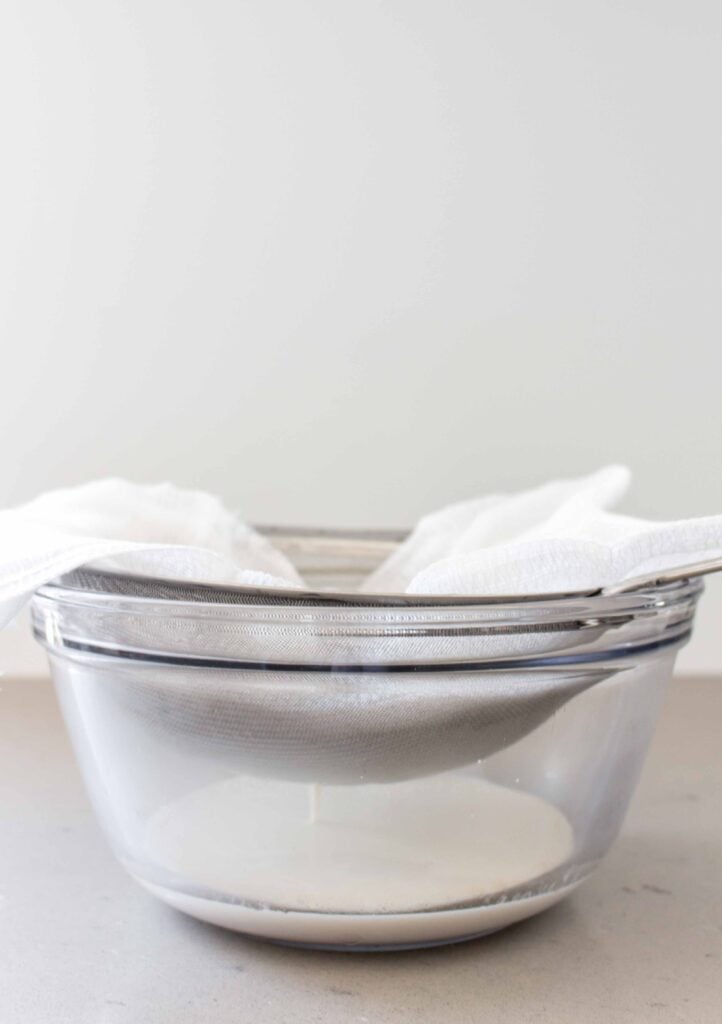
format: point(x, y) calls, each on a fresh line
point(103, 585)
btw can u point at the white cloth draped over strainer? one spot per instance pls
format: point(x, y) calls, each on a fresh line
point(557, 538)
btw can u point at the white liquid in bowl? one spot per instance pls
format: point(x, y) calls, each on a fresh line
point(358, 865)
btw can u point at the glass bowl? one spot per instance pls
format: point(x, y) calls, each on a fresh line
point(357, 771)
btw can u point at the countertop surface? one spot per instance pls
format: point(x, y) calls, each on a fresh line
point(639, 941)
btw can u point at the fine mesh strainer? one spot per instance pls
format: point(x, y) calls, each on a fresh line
point(332, 686)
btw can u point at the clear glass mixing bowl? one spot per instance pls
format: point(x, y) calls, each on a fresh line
point(347, 770)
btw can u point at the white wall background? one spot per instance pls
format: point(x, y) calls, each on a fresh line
point(345, 262)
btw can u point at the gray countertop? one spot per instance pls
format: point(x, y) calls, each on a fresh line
point(640, 941)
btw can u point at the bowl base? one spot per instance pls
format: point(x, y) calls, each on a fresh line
point(359, 932)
